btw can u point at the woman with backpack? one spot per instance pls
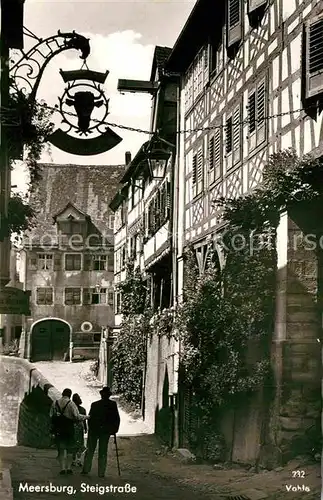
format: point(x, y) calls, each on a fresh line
point(64, 414)
point(80, 428)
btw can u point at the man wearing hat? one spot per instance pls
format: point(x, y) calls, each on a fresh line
point(104, 421)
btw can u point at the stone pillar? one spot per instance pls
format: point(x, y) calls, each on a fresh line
point(295, 350)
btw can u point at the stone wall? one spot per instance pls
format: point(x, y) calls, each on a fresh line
point(296, 352)
point(159, 357)
point(25, 399)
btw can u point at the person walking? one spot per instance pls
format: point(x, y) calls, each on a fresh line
point(104, 421)
point(64, 414)
point(80, 428)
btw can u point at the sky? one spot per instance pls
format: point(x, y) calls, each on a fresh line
point(122, 36)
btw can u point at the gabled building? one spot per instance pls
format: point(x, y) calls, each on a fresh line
point(67, 262)
point(251, 85)
point(143, 220)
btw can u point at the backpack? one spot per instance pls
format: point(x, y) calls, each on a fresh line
point(61, 425)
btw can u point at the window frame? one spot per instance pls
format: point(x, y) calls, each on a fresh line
point(215, 162)
point(44, 289)
point(257, 136)
point(68, 255)
point(91, 292)
point(45, 259)
point(198, 166)
point(234, 156)
point(234, 32)
point(68, 289)
point(99, 258)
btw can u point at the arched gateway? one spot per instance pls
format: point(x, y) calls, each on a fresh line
point(49, 339)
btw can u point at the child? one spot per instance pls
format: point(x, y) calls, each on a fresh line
point(80, 428)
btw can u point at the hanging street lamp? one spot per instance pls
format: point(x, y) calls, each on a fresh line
point(158, 152)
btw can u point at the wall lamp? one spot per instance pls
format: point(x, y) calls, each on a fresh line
point(157, 152)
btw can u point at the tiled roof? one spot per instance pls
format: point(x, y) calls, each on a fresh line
point(90, 188)
point(161, 55)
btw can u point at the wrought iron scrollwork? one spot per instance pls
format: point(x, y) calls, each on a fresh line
point(27, 71)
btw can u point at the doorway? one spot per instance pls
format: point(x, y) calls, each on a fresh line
point(49, 340)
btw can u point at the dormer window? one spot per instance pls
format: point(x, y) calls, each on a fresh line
point(71, 226)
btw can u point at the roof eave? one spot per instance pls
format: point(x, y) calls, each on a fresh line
point(196, 32)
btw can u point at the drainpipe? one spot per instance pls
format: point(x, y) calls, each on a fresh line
point(174, 246)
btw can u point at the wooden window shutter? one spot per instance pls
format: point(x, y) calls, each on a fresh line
point(194, 169)
point(228, 135)
point(314, 57)
point(252, 112)
point(234, 23)
point(217, 153)
point(57, 262)
point(86, 296)
point(88, 261)
point(211, 153)
point(32, 263)
point(236, 135)
point(255, 4)
point(200, 170)
point(261, 112)
point(206, 64)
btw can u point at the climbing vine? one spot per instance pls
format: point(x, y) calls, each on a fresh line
point(30, 126)
point(129, 351)
point(21, 215)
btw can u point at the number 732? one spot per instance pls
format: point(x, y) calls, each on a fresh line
point(298, 473)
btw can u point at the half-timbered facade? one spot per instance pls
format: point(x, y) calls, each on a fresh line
point(143, 224)
point(251, 85)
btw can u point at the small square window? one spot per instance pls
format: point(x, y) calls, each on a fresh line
point(72, 296)
point(44, 296)
point(73, 262)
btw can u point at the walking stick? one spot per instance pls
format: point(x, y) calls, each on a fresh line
point(117, 454)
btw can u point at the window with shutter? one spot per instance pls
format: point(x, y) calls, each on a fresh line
point(86, 296)
point(236, 135)
point(228, 135)
point(88, 262)
point(314, 57)
point(261, 113)
point(200, 170)
point(44, 296)
point(72, 296)
point(254, 5)
point(194, 174)
point(215, 158)
point(234, 22)
point(110, 260)
point(73, 262)
point(257, 115)
point(252, 112)
point(57, 262)
point(211, 153)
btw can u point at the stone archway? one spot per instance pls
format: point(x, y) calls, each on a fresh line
point(49, 339)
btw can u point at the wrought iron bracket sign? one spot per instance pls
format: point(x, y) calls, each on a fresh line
point(83, 96)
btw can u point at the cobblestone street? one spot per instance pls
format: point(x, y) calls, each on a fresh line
point(157, 475)
point(77, 377)
point(145, 464)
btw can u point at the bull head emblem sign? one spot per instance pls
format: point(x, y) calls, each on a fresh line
point(84, 103)
point(85, 94)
